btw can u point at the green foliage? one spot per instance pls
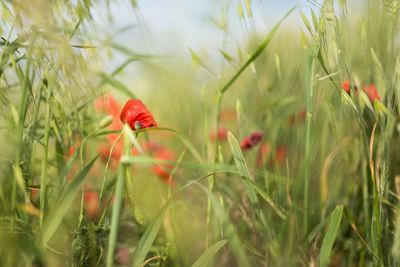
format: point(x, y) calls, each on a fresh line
point(320, 187)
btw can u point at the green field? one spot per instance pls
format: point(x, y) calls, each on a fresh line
point(278, 149)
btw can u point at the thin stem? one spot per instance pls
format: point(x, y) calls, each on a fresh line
point(310, 82)
point(43, 175)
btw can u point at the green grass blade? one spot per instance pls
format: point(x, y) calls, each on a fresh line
point(118, 85)
point(245, 174)
point(115, 215)
point(256, 53)
point(148, 238)
point(228, 229)
point(330, 236)
point(209, 254)
point(64, 202)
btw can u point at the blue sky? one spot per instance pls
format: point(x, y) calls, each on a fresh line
point(170, 27)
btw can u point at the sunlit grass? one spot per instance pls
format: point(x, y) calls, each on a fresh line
point(285, 156)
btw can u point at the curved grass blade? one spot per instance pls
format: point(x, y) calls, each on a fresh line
point(256, 53)
point(209, 254)
point(148, 237)
point(330, 236)
point(228, 229)
point(117, 85)
point(63, 203)
point(249, 185)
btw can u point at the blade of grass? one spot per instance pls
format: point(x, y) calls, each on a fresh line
point(310, 82)
point(148, 237)
point(245, 174)
point(228, 228)
point(115, 215)
point(65, 200)
point(209, 254)
point(330, 236)
point(256, 53)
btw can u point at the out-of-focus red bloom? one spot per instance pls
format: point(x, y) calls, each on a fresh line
point(163, 170)
point(220, 135)
point(250, 141)
point(160, 152)
point(135, 113)
point(123, 256)
point(299, 117)
point(346, 86)
point(108, 104)
point(70, 153)
point(91, 199)
point(279, 157)
point(34, 192)
point(228, 115)
point(280, 154)
point(372, 92)
point(262, 154)
point(116, 153)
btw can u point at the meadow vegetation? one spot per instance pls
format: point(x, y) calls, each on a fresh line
point(287, 155)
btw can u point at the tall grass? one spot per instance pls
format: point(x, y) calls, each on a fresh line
point(320, 188)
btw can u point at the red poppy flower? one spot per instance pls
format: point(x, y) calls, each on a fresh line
point(70, 153)
point(108, 104)
point(372, 92)
point(346, 86)
point(250, 141)
point(228, 115)
point(299, 117)
point(221, 134)
point(262, 154)
point(35, 192)
point(280, 154)
point(91, 199)
point(162, 170)
point(136, 115)
point(115, 156)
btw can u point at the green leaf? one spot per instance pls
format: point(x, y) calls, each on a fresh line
point(228, 229)
point(209, 254)
point(148, 237)
point(255, 54)
point(63, 203)
point(330, 236)
point(251, 186)
point(118, 85)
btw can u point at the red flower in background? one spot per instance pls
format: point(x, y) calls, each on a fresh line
point(262, 154)
point(298, 117)
point(162, 170)
point(108, 104)
point(135, 113)
point(372, 92)
point(116, 153)
point(250, 141)
point(220, 135)
point(228, 115)
point(280, 154)
point(279, 157)
point(91, 199)
point(346, 86)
